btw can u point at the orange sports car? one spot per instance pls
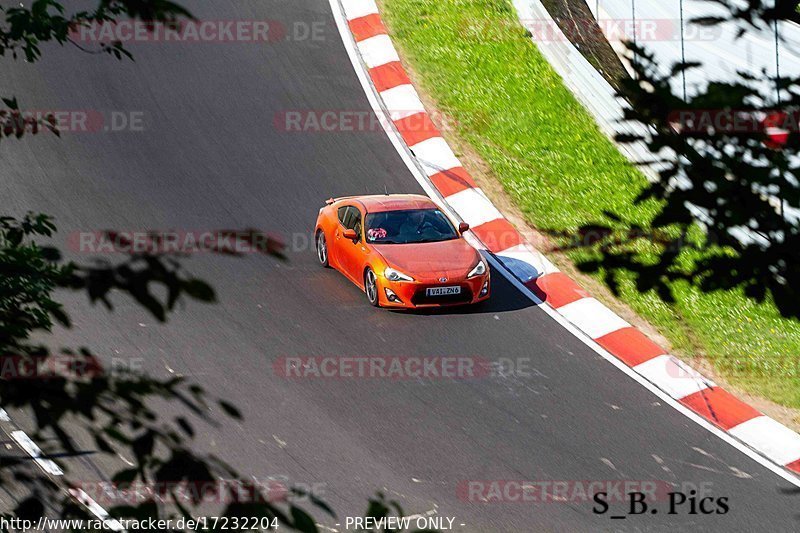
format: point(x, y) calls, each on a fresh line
point(401, 250)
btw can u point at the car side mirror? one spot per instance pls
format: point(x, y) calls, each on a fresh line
point(350, 234)
point(463, 227)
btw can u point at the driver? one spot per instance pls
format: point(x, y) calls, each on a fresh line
point(415, 223)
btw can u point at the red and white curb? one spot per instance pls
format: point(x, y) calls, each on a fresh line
point(445, 174)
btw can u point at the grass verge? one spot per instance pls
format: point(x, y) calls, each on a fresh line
point(475, 61)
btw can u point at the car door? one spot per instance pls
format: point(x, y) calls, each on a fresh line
point(350, 253)
point(335, 254)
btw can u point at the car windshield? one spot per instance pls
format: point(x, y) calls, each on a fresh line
point(409, 226)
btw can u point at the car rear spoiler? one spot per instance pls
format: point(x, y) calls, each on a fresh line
point(329, 201)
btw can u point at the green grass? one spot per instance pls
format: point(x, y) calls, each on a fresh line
point(474, 59)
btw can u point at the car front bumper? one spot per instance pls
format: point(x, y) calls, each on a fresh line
point(412, 294)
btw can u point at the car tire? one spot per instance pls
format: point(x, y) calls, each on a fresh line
point(371, 288)
point(322, 249)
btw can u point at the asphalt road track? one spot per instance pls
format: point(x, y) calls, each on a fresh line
point(210, 157)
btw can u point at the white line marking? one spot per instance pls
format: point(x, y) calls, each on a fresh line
point(397, 142)
point(49, 466)
point(96, 509)
point(34, 451)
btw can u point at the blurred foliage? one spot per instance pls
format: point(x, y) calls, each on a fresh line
point(726, 169)
point(753, 13)
point(112, 406)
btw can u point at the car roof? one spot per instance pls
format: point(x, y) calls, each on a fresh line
point(394, 202)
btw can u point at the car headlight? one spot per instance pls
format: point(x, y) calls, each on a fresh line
point(395, 275)
point(479, 270)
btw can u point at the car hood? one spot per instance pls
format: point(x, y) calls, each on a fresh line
point(451, 259)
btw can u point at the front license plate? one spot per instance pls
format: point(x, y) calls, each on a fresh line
point(442, 291)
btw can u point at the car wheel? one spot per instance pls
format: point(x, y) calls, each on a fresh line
point(371, 287)
point(322, 249)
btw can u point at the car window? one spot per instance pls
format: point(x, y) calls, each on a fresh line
point(347, 215)
point(350, 217)
point(409, 226)
point(348, 220)
point(353, 220)
point(341, 213)
point(357, 221)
